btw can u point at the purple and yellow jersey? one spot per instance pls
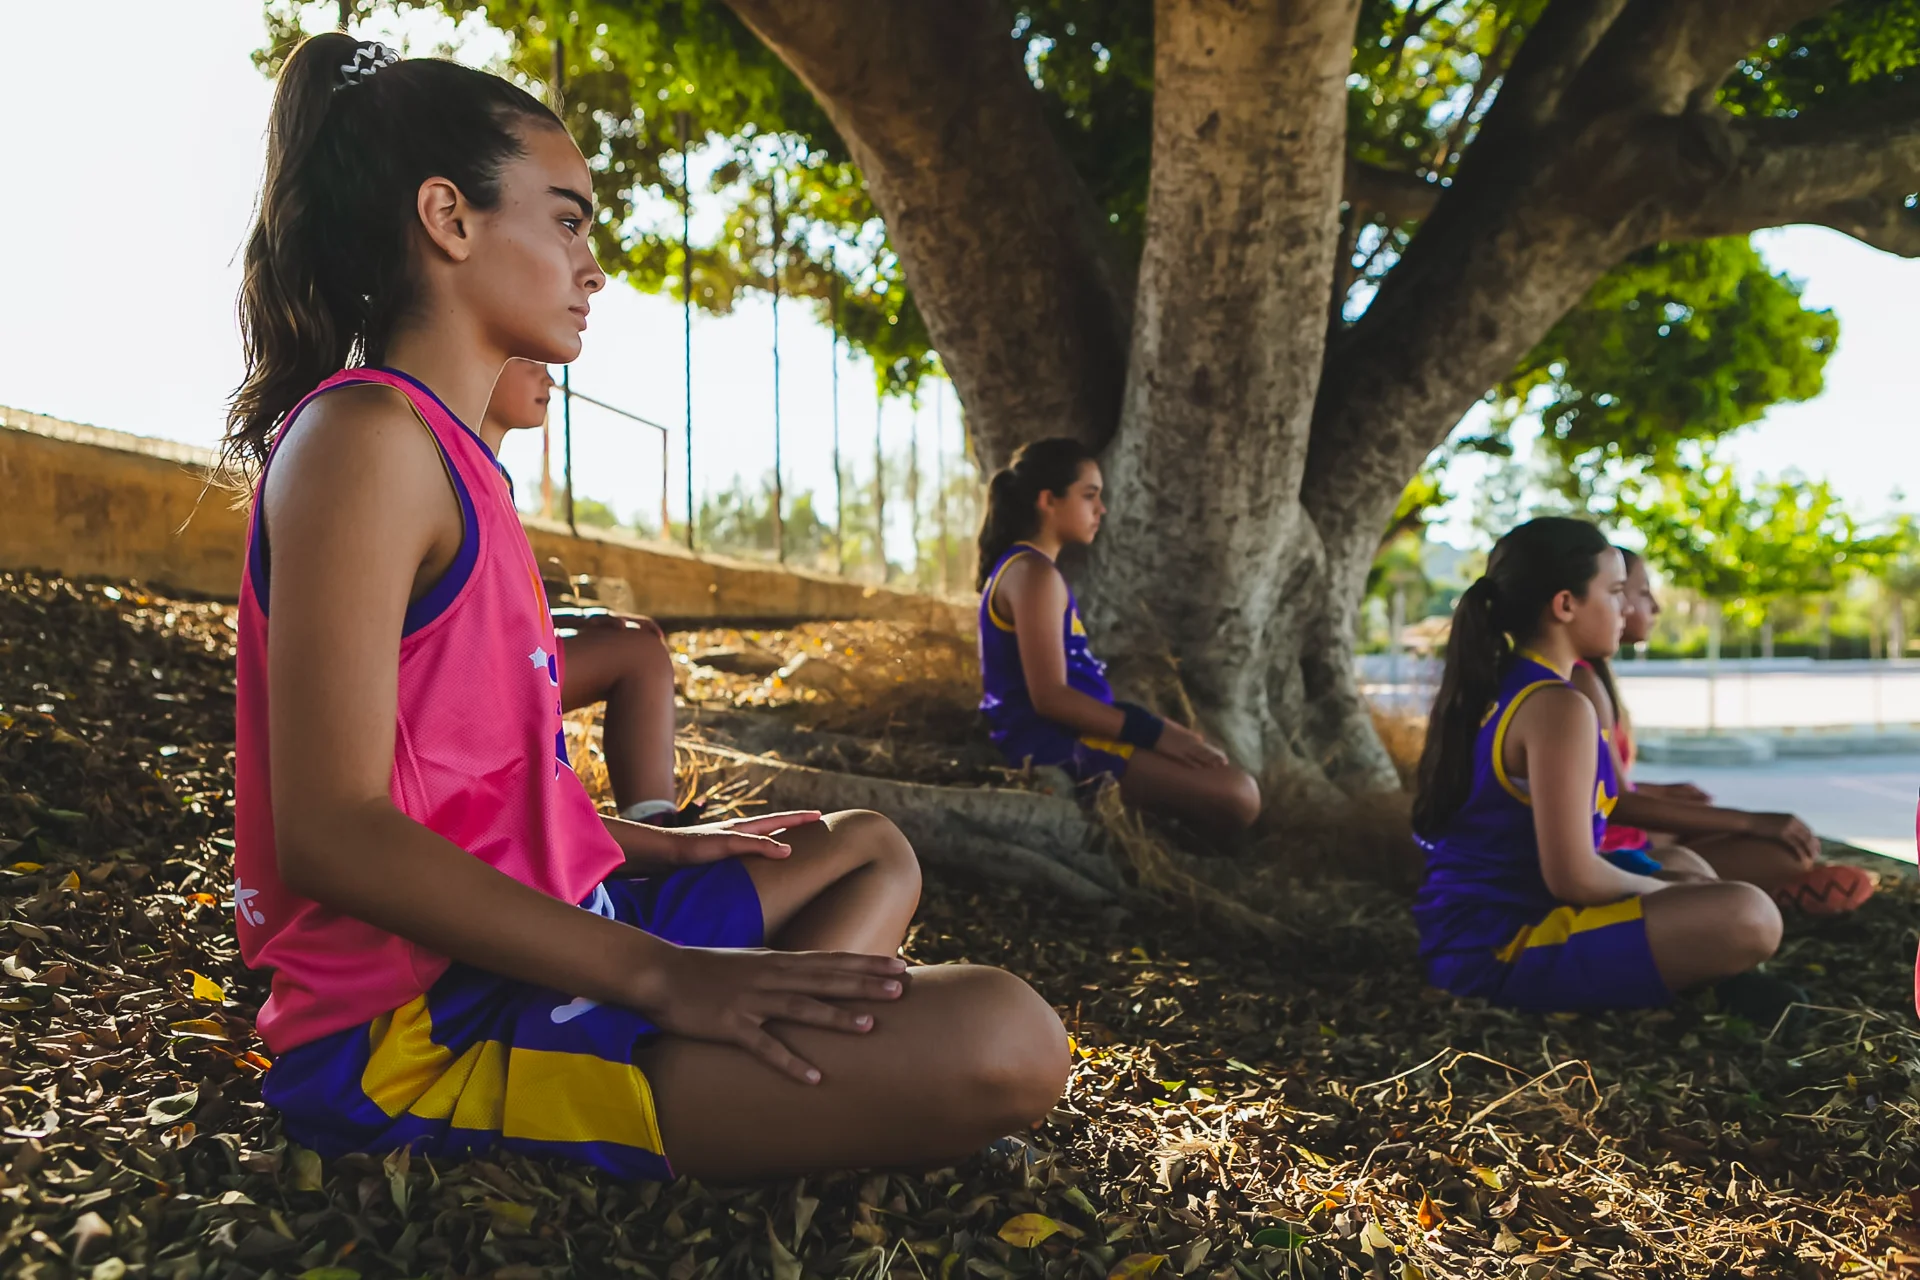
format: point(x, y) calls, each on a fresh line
point(1021, 733)
point(1003, 681)
point(1485, 866)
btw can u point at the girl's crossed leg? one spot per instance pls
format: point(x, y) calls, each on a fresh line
point(851, 884)
point(1224, 799)
point(1703, 932)
point(966, 1055)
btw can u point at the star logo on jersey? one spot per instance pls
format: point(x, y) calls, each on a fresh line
point(547, 662)
point(243, 904)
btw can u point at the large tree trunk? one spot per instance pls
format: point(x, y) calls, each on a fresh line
point(1024, 296)
point(1252, 466)
point(1207, 564)
point(1601, 143)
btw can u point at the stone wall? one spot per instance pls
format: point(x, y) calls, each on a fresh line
point(84, 501)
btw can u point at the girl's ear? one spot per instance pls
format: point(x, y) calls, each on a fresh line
point(1562, 606)
point(443, 216)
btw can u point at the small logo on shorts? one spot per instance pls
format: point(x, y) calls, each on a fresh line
point(565, 1013)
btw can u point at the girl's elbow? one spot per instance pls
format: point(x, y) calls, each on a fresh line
point(301, 855)
point(1049, 703)
point(1570, 887)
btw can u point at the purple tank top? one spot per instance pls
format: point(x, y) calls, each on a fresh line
point(1488, 856)
point(1004, 696)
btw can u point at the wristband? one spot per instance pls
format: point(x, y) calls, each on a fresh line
point(1142, 728)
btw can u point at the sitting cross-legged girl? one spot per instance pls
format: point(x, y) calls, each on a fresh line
point(1514, 788)
point(465, 955)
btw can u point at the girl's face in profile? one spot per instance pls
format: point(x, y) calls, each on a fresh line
point(1074, 517)
point(1593, 621)
point(1641, 607)
point(520, 396)
point(532, 298)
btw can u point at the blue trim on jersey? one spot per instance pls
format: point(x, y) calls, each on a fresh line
point(441, 595)
point(429, 393)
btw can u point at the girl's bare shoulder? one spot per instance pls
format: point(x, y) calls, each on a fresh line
point(1555, 710)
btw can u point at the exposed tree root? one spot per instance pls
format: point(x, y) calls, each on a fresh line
point(1020, 835)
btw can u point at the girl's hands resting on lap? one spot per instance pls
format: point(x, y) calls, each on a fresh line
point(730, 997)
point(1177, 742)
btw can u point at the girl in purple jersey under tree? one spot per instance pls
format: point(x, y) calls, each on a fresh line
point(1514, 790)
point(1046, 697)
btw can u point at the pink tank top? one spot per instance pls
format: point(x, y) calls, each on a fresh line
point(479, 754)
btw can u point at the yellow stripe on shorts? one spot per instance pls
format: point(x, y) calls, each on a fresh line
point(537, 1094)
point(576, 1097)
point(1122, 749)
point(1563, 922)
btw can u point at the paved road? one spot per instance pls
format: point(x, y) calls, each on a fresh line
point(1834, 696)
point(1864, 800)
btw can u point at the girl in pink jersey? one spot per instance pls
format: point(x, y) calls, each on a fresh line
point(464, 954)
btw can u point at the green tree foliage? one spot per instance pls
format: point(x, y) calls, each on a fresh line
point(1670, 352)
point(1682, 343)
point(739, 521)
point(1746, 546)
point(1424, 74)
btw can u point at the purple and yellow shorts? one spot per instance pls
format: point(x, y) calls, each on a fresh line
point(1042, 742)
point(482, 1062)
point(1573, 959)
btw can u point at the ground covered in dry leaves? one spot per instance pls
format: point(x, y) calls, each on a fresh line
point(1238, 1109)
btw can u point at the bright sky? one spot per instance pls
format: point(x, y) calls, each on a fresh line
point(118, 270)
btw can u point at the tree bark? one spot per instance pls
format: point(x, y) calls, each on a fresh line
point(1254, 463)
point(1201, 564)
point(1026, 299)
point(1604, 141)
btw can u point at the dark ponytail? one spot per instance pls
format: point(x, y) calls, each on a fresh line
point(353, 133)
point(1052, 465)
point(1526, 570)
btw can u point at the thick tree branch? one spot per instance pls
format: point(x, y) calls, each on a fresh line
point(1387, 195)
point(1023, 293)
point(1549, 60)
point(1665, 57)
point(1855, 171)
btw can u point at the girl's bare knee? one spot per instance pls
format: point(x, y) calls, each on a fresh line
point(648, 653)
point(1017, 1071)
point(878, 843)
point(1243, 804)
point(1752, 921)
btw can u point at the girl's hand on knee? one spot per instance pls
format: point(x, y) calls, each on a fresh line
point(731, 996)
point(1181, 743)
point(764, 824)
point(1792, 832)
point(650, 849)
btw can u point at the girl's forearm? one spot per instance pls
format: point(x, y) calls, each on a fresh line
point(378, 865)
point(1074, 709)
point(1596, 882)
point(1683, 817)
